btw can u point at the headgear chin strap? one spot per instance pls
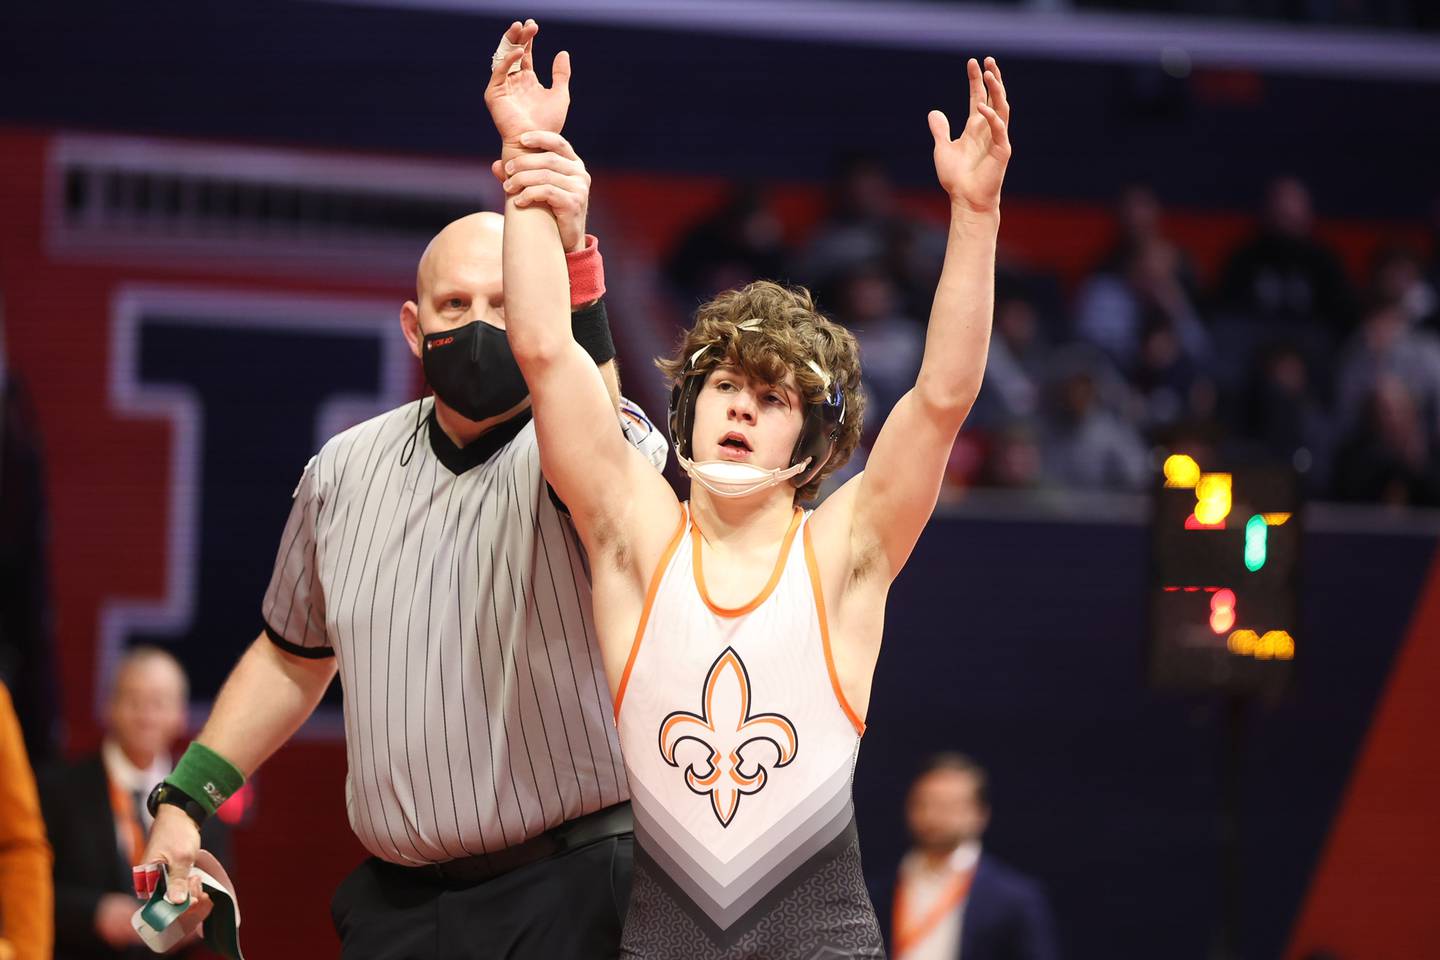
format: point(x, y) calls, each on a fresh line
point(812, 449)
point(730, 478)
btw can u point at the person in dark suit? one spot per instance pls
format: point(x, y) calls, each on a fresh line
point(952, 900)
point(95, 812)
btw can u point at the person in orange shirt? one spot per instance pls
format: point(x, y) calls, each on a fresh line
point(26, 928)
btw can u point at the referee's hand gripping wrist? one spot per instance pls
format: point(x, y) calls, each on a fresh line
point(174, 841)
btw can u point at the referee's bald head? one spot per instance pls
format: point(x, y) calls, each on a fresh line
point(473, 239)
point(458, 279)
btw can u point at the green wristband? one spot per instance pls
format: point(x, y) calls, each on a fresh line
point(208, 778)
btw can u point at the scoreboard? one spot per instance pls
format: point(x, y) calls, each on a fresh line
point(1223, 604)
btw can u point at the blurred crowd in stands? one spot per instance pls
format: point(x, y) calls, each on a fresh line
point(1280, 356)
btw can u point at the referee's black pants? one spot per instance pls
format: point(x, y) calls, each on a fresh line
point(566, 907)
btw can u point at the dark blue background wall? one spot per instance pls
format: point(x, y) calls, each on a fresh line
point(1022, 644)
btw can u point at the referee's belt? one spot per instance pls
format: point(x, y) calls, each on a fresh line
point(570, 835)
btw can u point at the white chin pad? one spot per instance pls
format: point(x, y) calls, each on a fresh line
point(733, 471)
point(732, 478)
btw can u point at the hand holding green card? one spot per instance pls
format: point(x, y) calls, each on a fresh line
point(163, 925)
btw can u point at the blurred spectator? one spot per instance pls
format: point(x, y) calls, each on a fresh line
point(1018, 279)
point(96, 810)
point(740, 242)
point(1397, 276)
point(1086, 445)
point(25, 889)
point(1387, 345)
point(1147, 290)
point(1283, 274)
point(1015, 460)
point(868, 302)
point(1388, 456)
point(1432, 269)
point(1284, 416)
point(1170, 382)
point(27, 661)
point(1137, 225)
point(1015, 370)
point(1163, 374)
point(863, 225)
point(953, 900)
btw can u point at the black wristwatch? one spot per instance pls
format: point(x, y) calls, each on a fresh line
point(171, 794)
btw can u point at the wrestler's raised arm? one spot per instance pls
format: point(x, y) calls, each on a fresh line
point(614, 495)
point(887, 506)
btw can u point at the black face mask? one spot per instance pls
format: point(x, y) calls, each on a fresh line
point(472, 370)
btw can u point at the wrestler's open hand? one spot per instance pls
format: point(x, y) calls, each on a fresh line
point(555, 177)
point(517, 100)
point(972, 168)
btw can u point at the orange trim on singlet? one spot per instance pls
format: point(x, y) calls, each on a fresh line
point(653, 589)
point(814, 566)
point(952, 896)
point(769, 587)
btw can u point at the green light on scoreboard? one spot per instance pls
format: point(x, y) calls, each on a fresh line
point(1256, 535)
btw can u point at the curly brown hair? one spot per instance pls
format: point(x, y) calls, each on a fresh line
point(790, 333)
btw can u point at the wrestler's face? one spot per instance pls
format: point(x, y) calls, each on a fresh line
point(944, 810)
point(741, 418)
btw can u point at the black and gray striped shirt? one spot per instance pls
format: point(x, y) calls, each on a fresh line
point(456, 599)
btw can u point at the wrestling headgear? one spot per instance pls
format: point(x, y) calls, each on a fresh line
point(817, 435)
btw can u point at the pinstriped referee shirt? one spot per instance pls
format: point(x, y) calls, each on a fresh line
point(455, 598)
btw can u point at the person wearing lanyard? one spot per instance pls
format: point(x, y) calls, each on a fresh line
point(952, 901)
point(95, 808)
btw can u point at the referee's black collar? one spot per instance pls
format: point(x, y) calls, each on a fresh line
point(459, 459)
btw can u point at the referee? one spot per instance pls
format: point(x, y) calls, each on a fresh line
point(427, 562)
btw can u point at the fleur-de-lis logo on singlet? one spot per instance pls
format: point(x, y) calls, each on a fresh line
point(728, 730)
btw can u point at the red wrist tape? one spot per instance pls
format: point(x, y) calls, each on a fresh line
point(587, 273)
